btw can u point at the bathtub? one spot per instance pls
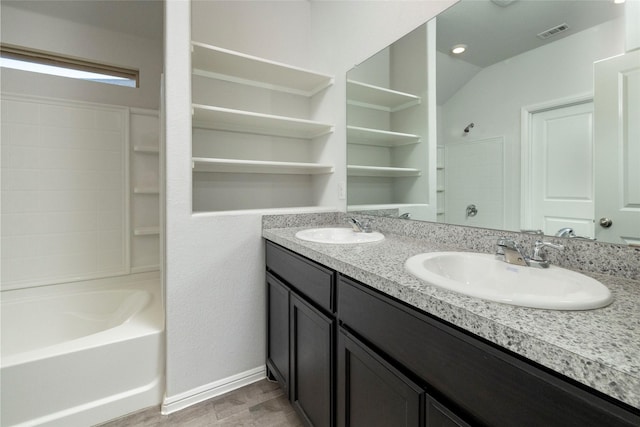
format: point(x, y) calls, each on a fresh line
point(78, 354)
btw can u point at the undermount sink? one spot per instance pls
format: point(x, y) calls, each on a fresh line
point(482, 276)
point(338, 236)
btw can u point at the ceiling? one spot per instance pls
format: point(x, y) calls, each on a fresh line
point(142, 18)
point(494, 33)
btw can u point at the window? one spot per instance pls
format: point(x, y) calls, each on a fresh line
point(49, 63)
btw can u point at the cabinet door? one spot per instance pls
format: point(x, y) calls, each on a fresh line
point(278, 331)
point(312, 335)
point(440, 416)
point(373, 393)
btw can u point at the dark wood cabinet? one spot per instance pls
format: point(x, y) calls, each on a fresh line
point(440, 416)
point(312, 337)
point(301, 333)
point(278, 331)
point(394, 365)
point(486, 385)
point(371, 392)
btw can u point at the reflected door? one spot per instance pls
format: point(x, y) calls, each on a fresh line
point(617, 148)
point(562, 169)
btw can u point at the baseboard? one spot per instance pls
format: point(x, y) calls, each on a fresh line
point(199, 394)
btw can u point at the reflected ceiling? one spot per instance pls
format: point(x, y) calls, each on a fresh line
point(494, 33)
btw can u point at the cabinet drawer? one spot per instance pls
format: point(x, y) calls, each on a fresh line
point(310, 279)
point(494, 387)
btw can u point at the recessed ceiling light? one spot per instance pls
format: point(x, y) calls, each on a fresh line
point(618, 1)
point(458, 49)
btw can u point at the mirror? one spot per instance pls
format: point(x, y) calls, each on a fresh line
point(502, 136)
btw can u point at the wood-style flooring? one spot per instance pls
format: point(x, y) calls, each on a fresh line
point(261, 404)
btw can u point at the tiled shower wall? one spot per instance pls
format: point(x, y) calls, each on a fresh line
point(65, 191)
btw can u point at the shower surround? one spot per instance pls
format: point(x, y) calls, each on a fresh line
point(82, 304)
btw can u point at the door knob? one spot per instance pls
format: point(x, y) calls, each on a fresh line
point(605, 222)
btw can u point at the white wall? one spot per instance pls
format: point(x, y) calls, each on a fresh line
point(215, 262)
point(25, 28)
point(494, 97)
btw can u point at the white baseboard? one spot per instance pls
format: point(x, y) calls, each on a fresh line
point(199, 394)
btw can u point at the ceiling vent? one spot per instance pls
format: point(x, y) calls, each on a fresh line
point(554, 31)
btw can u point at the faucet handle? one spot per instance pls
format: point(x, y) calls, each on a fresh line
point(363, 226)
point(538, 247)
point(366, 225)
point(536, 232)
point(504, 242)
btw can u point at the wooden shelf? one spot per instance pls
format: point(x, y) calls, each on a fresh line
point(146, 190)
point(379, 98)
point(259, 76)
point(146, 150)
point(381, 138)
point(224, 64)
point(206, 164)
point(146, 231)
point(384, 206)
point(218, 118)
point(380, 171)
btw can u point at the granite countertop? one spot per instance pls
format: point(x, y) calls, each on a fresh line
point(599, 348)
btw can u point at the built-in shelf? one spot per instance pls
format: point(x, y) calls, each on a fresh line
point(379, 98)
point(377, 137)
point(218, 118)
point(224, 64)
point(381, 171)
point(384, 206)
point(146, 190)
point(146, 231)
point(206, 164)
point(247, 126)
point(146, 149)
point(271, 211)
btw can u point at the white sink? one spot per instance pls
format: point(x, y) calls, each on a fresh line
point(482, 276)
point(339, 236)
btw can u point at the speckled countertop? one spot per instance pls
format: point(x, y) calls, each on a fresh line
point(599, 348)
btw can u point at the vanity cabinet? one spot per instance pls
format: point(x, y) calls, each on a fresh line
point(480, 382)
point(301, 332)
point(382, 362)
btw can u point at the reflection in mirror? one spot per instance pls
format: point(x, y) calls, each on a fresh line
point(515, 121)
point(387, 130)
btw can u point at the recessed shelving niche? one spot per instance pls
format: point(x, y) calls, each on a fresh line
point(379, 98)
point(375, 162)
point(254, 133)
point(145, 190)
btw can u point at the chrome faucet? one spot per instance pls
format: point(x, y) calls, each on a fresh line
point(360, 226)
point(566, 232)
point(539, 258)
point(512, 252)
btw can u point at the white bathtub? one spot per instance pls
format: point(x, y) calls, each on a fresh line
point(82, 353)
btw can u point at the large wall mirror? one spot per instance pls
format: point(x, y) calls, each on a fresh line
point(529, 128)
